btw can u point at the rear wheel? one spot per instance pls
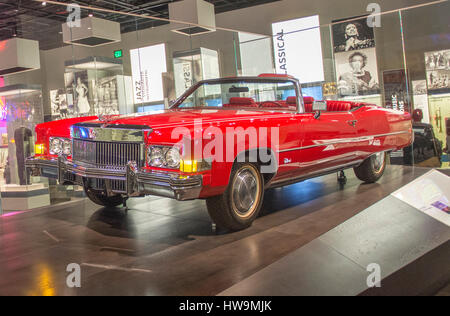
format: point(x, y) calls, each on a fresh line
point(372, 168)
point(239, 205)
point(100, 198)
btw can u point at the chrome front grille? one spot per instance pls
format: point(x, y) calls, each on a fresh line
point(108, 155)
point(117, 186)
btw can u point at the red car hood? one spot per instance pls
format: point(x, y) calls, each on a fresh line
point(173, 118)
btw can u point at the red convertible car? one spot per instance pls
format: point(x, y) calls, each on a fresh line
point(225, 141)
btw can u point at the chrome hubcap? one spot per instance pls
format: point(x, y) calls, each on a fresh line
point(378, 161)
point(245, 191)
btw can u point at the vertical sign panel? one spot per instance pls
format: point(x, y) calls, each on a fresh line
point(147, 65)
point(298, 49)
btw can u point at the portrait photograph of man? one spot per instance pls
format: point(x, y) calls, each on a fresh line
point(357, 73)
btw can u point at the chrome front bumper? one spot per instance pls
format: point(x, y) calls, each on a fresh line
point(130, 181)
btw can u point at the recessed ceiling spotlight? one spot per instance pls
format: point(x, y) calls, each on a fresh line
point(44, 3)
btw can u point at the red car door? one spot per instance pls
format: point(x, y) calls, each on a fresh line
point(328, 141)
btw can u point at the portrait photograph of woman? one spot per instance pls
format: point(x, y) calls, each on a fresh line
point(77, 85)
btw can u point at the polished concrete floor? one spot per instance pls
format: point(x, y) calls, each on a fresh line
point(165, 247)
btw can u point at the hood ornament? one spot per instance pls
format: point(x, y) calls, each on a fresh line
point(105, 119)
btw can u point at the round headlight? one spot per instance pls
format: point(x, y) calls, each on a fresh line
point(156, 158)
point(173, 158)
point(56, 146)
point(67, 147)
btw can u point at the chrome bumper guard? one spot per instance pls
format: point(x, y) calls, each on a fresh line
point(137, 182)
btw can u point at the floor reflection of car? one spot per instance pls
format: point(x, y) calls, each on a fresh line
point(253, 133)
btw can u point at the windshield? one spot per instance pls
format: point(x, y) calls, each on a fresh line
point(250, 94)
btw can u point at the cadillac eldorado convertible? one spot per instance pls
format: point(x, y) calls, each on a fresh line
point(225, 141)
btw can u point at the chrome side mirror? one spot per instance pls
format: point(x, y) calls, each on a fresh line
point(318, 107)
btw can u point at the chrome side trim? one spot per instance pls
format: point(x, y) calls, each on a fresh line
point(42, 167)
point(314, 174)
point(343, 140)
point(33, 162)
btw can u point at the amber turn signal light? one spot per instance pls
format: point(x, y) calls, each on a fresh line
point(39, 149)
point(188, 166)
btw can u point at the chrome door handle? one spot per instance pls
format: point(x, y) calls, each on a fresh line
point(352, 122)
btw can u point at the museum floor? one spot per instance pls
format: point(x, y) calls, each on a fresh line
point(164, 247)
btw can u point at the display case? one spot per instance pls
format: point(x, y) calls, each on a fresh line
point(439, 106)
point(193, 66)
point(22, 109)
point(93, 86)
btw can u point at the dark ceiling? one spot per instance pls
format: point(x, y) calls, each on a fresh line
point(30, 19)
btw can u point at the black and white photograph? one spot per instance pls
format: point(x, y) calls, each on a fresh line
point(357, 73)
point(77, 84)
point(59, 104)
point(439, 60)
point(419, 87)
point(352, 35)
point(438, 80)
point(104, 96)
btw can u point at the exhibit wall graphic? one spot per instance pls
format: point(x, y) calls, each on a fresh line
point(148, 65)
point(298, 49)
point(355, 58)
point(438, 71)
point(395, 92)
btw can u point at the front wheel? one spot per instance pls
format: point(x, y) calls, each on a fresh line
point(371, 170)
point(100, 198)
point(239, 205)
